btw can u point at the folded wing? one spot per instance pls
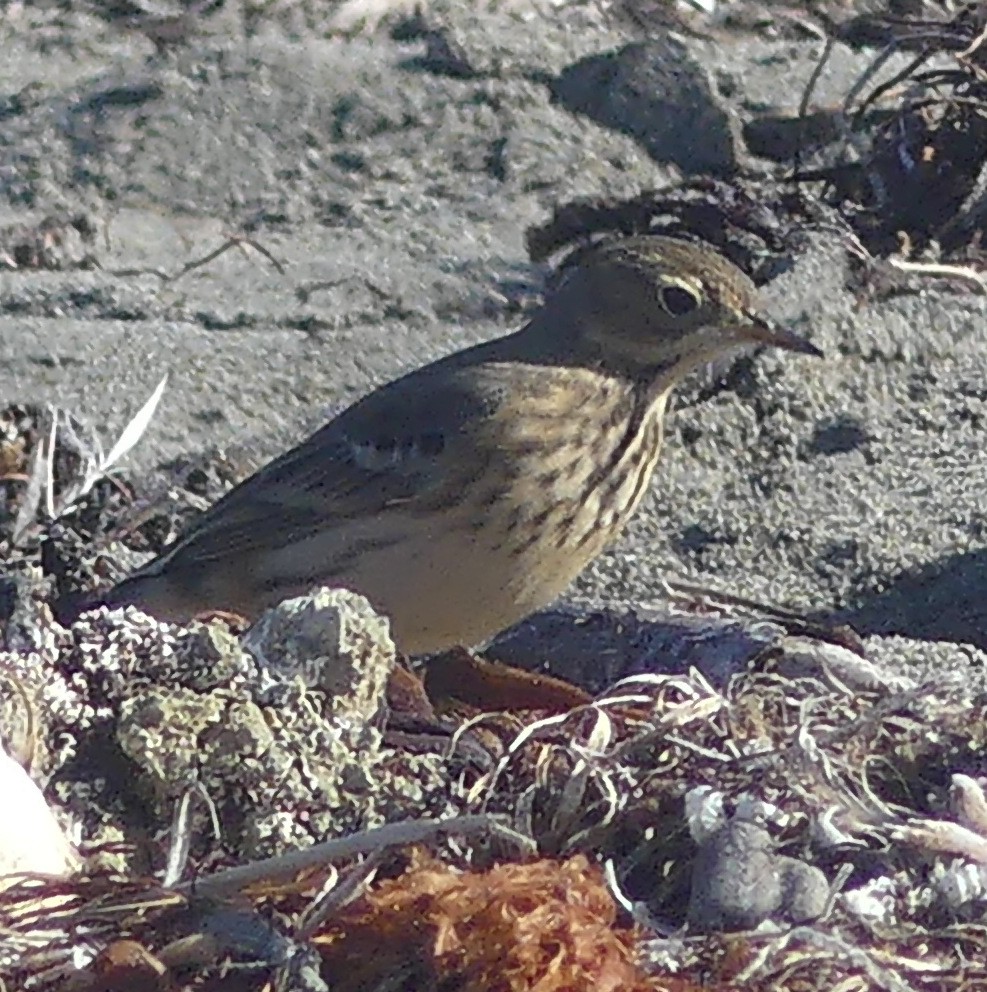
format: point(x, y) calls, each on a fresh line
point(395, 448)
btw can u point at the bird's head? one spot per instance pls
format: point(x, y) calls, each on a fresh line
point(655, 307)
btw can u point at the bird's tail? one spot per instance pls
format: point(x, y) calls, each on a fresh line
point(151, 594)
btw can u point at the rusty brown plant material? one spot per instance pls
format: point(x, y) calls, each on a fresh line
point(460, 676)
point(548, 926)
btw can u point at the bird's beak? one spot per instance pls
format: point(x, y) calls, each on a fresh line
point(760, 330)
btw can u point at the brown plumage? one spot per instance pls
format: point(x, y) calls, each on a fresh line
point(471, 492)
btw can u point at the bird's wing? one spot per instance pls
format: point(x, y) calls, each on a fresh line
point(398, 446)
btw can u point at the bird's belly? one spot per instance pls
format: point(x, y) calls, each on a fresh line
point(460, 585)
point(458, 579)
point(442, 590)
point(523, 557)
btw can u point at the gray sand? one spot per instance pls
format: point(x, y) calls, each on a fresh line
point(851, 484)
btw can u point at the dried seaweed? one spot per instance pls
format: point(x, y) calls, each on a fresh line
point(910, 177)
point(881, 779)
point(755, 223)
point(898, 172)
point(546, 925)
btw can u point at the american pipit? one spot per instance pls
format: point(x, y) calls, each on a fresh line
point(471, 492)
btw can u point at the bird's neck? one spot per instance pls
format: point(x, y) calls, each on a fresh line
point(572, 340)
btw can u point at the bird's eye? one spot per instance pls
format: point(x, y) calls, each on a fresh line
point(679, 301)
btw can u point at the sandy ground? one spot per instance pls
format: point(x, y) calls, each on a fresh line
point(852, 484)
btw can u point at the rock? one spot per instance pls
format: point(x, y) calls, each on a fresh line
point(132, 712)
point(738, 881)
point(659, 94)
point(805, 890)
point(595, 646)
point(735, 880)
point(332, 640)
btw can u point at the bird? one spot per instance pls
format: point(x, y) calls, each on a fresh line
point(469, 493)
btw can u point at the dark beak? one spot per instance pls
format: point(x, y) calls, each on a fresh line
point(763, 331)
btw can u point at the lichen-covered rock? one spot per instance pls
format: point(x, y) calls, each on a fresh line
point(133, 713)
point(333, 640)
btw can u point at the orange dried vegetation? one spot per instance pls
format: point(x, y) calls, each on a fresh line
point(541, 927)
point(463, 677)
